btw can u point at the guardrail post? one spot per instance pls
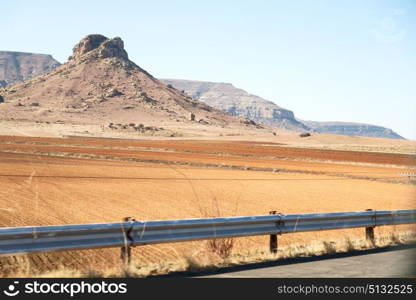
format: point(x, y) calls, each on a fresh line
point(369, 232)
point(125, 251)
point(273, 237)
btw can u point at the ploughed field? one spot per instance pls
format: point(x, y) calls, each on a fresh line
point(242, 148)
point(45, 181)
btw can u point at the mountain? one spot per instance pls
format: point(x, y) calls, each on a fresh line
point(238, 102)
point(20, 66)
point(355, 129)
point(100, 85)
point(80, 90)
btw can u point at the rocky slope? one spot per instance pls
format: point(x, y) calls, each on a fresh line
point(100, 85)
point(355, 129)
point(20, 66)
point(238, 102)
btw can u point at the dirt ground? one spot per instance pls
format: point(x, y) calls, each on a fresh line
point(106, 180)
point(58, 130)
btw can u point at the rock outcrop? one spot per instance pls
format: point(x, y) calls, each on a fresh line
point(105, 48)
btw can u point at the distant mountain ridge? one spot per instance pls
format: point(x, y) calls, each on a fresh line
point(20, 66)
point(238, 102)
point(356, 129)
point(235, 101)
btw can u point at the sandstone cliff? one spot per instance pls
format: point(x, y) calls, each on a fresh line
point(20, 66)
point(238, 102)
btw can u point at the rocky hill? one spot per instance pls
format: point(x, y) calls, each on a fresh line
point(355, 129)
point(85, 85)
point(100, 85)
point(20, 66)
point(238, 102)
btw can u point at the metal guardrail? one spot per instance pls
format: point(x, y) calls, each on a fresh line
point(15, 240)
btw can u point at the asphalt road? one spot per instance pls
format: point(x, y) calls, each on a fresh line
point(389, 262)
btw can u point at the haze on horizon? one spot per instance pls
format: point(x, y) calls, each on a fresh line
point(351, 61)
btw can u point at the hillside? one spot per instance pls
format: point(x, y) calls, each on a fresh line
point(238, 102)
point(99, 85)
point(20, 66)
point(355, 129)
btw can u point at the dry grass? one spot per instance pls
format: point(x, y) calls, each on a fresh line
point(188, 192)
point(51, 192)
point(204, 261)
point(222, 247)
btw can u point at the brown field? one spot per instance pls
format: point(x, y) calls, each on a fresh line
point(241, 148)
point(48, 181)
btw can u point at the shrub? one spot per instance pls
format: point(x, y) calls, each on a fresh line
point(329, 247)
point(350, 245)
point(221, 247)
point(395, 239)
point(305, 134)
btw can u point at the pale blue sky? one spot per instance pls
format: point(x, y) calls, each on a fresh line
point(325, 60)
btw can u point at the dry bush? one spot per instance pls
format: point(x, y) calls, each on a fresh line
point(395, 239)
point(329, 247)
point(349, 245)
point(221, 247)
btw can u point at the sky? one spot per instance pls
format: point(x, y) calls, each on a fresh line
point(325, 60)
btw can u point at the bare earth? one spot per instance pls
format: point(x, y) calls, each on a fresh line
point(78, 180)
